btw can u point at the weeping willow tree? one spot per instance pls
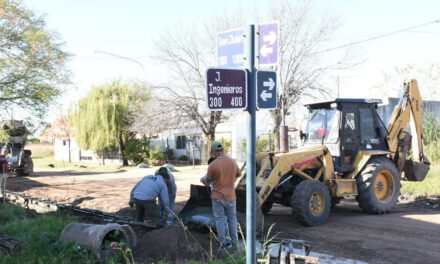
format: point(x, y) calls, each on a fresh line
point(102, 118)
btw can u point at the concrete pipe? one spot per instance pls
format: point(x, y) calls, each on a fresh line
point(93, 236)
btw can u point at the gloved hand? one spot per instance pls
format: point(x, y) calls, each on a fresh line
point(131, 203)
point(204, 179)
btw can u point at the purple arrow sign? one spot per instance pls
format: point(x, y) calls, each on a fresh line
point(268, 43)
point(226, 89)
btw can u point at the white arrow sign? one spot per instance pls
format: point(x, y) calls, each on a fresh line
point(265, 95)
point(271, 37)
point(266, 89)
point(269, 84)
point(266, 50)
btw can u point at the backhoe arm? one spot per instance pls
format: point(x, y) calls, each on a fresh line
point(409, 110)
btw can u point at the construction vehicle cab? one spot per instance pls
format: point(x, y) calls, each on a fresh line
point(346, 126)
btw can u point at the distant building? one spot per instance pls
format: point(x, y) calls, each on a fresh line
point(61, 152)
point(386, 109)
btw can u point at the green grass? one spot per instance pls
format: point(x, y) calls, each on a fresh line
point(39, 239)
point(9, 213)
point(430, 186)
point(43, 156)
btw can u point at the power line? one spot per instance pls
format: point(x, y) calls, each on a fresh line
point(377, 37)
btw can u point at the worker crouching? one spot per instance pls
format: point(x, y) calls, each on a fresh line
point(144, 195)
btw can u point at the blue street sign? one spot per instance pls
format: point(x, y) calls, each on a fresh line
point(230, 48)
point(226, 89)
point(267, 90)
point(268, 43)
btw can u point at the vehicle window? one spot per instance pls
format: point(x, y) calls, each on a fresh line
point(332, 133)
point(367, 126)
point(316, 129)
point(323, 123)
point(349, 128)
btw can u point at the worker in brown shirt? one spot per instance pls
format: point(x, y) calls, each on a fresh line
point(223, 172)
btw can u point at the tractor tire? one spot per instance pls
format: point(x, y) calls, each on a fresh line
point(311, 203)
point(378, 186)
point(265, 208)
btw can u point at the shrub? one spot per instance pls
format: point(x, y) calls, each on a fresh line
point(227, 143)
point(431, 136)
point(156, 157)
point(169, 153)
point(138, 150)
point(183, 158)
point(262, 145)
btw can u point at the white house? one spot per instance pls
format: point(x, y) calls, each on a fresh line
point(61, 152)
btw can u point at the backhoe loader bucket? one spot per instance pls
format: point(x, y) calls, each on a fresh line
point(415, 171)
point(198, 209)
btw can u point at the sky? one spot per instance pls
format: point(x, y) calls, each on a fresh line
point(128, 28)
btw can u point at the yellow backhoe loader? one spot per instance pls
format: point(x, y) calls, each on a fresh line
point(347, 150)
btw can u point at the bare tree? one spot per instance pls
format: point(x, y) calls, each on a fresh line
point(302, 64)
point(186, 52)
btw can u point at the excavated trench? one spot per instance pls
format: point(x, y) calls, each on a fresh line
point(148, 241)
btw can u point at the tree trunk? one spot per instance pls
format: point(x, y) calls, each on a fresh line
point(103, 157)
point(68, 142)
point(122, 149)
point(276, 117)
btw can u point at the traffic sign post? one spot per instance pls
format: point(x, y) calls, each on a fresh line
point(268, 43)
point(229, 89)
point(230, 48)
point(251, 149)
point(226, 89)
point(267, 90)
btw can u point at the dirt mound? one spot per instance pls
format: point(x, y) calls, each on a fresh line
point(431, 202)
point(175, 243)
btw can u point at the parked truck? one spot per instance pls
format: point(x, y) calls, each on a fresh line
point(14, 136)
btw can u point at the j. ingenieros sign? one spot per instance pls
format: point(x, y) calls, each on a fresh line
point(226, 89)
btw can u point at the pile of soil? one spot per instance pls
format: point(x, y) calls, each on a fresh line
point(431, 202)
point(175, 243)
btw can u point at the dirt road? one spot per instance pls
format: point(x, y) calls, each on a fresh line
point(411, 234)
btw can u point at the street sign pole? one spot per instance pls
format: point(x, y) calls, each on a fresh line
point(251, 149)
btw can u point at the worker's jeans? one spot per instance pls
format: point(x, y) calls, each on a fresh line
point(152, 210)
point(3, 177)
point(225, 215)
